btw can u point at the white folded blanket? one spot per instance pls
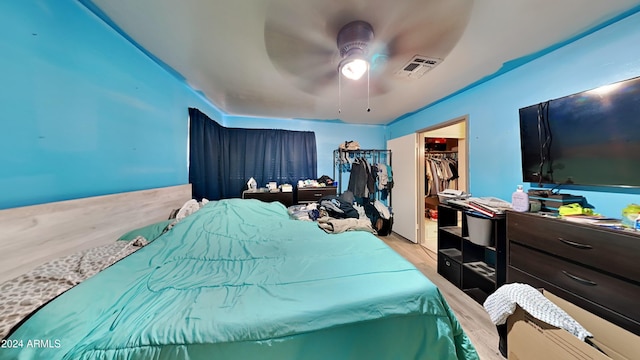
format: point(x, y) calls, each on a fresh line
point(502, 303)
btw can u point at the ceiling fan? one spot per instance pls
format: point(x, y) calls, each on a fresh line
point(312, 42)
point(353, 43)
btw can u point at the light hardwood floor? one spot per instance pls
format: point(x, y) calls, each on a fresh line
point(470, 314)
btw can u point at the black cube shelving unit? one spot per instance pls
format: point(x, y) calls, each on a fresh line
point(475, 269)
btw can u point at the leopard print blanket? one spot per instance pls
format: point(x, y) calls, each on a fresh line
point(24, 294)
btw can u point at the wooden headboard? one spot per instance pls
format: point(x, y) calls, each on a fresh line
point(33, 235)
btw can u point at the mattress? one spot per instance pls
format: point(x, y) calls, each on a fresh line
point(239, 279)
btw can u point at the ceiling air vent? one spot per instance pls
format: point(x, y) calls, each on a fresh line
point(417, 67)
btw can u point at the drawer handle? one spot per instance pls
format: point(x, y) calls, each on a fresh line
point(579, 279)
point(446, 262)
point(575, 244)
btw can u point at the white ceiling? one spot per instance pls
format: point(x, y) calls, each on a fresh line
point(279, 58)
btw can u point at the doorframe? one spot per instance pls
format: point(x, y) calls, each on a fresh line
point(421, 166)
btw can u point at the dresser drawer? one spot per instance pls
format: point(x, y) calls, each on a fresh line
point(612, 251)
point(611, 292)
point(314, 194)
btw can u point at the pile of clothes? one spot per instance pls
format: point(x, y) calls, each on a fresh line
point(337, 214)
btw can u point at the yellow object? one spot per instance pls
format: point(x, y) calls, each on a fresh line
point(570, 209)
point(575, 209)
point(630, 214)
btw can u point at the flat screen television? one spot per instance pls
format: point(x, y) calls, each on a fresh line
point(590, 138)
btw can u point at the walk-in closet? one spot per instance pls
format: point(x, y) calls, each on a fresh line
point(444, 166)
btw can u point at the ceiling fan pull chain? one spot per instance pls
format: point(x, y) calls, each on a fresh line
point(339, 94)
point(368, 105)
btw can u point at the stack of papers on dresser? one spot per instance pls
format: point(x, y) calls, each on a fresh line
point(489, 206)
point(600, 220)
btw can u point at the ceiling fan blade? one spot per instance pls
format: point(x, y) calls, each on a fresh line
point(402, 29)
point(293, 52)
point(296, 41)
point(320, 82)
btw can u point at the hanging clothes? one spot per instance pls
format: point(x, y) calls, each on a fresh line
point(441, 173)
point(383, 178)
point(370, 175)
point(364, 178)
point(359, 178)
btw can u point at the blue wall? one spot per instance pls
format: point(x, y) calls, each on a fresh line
point(83, 112)
point(608, 55)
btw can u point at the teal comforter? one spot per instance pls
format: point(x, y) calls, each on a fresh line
point(239, 279)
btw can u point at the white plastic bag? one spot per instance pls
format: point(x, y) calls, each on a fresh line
point(252, 184)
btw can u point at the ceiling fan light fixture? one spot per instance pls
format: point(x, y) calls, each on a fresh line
point(353, 68)
point(353, 42)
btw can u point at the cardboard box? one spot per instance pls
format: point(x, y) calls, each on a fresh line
point(530, 338)
point(431, 202)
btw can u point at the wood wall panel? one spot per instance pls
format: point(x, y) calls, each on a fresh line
point(32, 235)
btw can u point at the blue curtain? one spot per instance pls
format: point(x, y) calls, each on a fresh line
point(221, 160)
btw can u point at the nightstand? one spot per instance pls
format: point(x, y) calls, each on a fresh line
point(307, 195)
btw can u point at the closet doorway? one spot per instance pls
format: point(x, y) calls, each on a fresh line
point(443, 163)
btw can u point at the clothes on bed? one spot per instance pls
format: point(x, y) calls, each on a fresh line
point(337, 214)
point(379, 215)
point(239, 279)
point(22, 295)
point(336, 226)
point(337, 207)
point(190, 207)
point(305, 212)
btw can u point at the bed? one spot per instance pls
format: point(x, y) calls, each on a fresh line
point(240, 279)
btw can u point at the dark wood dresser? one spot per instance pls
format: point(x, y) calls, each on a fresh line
point(305, 195)
point(593, 267)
